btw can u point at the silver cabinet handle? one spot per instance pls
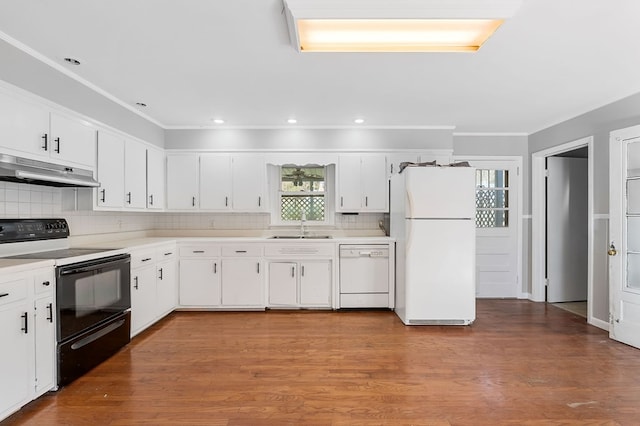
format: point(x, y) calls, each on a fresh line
point(193, 201)
point(293, 271)
point(57, 148)
point(259, 201)
point(258, 267)
point(160, 277)
point(215, 267)
point(366, 201)
point(302, 271)
point(45, 141)
point(104, 195)
point(128, 197)
point(226, 201)
point(341, 201)
point(135, 280)
point(151, 199)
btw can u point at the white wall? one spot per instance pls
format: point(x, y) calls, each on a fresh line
point(597, 123)
point(309, 139)
point(28, 73)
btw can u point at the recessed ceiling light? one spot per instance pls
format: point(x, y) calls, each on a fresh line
point(292, 121)
point(72, 61)
point(218, 121)
point(359, 120)
point(141, 104)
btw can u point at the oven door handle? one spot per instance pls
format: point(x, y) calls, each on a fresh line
point(94, 266)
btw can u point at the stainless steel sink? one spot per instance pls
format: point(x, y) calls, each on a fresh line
point(298, 237)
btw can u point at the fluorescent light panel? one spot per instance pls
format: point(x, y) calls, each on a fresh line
point(394, 35)
point(395, 26)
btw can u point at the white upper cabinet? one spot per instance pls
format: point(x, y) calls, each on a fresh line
point(249, 178)
point(35, 131)
point(135, 175)
point(24, 126)
point(362, 183)
point(72, 140)
point(182, 182)
point(155, 178)
point(110, 171)
point(215, 182)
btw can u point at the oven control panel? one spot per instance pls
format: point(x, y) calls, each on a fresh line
point(16, 230)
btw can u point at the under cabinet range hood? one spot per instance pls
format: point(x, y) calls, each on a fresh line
point(24, 170)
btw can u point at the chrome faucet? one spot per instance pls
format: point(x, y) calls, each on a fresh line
point(303, 219)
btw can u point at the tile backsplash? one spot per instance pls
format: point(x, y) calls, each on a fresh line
point(35, 201)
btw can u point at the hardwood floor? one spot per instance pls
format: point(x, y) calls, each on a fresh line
point(519, 363)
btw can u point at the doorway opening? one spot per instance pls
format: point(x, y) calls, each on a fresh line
point(562, 221)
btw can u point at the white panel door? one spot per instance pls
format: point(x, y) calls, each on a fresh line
point(440, 192)
point(135, 175)
point(24, 126)
point(349, 194)
point(624, 230)
point(497, 219)
point(242, 282)
point(72, 140)
point(215, 182)
point(315, 283)
point(567, 229)
point(182, 182)
point(375, 183)
point(249, 178)
point(110, 170)
point(199, 282)
point(155, 179)
point(283, 284)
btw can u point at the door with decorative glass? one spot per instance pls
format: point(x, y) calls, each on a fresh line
point(496, 228)
point(624, 233)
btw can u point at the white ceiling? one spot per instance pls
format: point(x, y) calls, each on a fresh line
point(194, 60)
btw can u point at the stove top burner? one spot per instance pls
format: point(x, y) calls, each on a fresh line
point(59, 254)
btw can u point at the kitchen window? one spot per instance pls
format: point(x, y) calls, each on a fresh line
point(303, 191)
point(492, 198)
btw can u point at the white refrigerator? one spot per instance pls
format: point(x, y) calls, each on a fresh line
point(433, 222)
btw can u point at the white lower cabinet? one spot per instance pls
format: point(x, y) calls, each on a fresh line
point(300, 284)
point(242, 271)
point(153, 286)
point(27, 332)
point(199, 282)
point(300, 275)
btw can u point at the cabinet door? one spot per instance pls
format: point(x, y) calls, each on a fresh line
point(72, 140)
point(394, 161)
point(143, 298)
point(45, 345)
point(242, 282)
point(24, 126)
point(375, 183)
point(110, 171)
point(216, 181)
point(135, 175)
point(315, 283)
point(283, 284)
point(166, 287)
point(182, 182)
point(155, 179)
point(249, 177)
point(15, 356)
point(349, 195)
point(199, 282)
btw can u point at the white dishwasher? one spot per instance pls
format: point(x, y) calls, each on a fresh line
point(364, 276)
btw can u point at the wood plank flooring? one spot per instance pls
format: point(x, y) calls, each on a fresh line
point(519, 363)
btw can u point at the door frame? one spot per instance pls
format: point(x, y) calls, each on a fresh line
point(517, 161)
point(539, 225)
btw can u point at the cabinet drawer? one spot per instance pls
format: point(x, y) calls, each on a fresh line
point(165, 253)
point(43, 283)
point(243, 250)
point(199, 251)
point(297, 250)
point(143, 258)
point(12, 291)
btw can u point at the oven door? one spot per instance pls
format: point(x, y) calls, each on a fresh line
point(91, 293)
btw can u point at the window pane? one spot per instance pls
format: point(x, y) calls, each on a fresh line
point(492, 198)
point(305, 179)
point(492, 218)
point(292, 206)
point(492, 178)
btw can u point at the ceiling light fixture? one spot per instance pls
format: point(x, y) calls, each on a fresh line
point(384, 26)
point(292, 121)
point(359, 120)
point(218, 121)
point(72, 61)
